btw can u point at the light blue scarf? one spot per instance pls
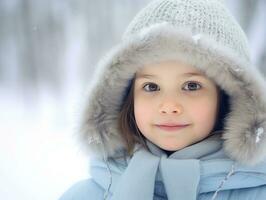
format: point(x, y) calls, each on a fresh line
point(180, 172)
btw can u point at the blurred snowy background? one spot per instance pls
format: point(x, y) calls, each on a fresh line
point(48, 50)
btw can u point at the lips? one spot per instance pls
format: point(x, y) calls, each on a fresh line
point(171, 127)
point(171, 124)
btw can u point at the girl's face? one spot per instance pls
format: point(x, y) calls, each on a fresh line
point(175, 105)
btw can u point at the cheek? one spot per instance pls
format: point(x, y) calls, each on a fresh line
point(142, 112)
point(205, 112)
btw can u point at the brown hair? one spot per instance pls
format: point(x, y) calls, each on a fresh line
point(127, 123)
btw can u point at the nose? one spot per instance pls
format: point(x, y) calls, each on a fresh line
point(170, 106)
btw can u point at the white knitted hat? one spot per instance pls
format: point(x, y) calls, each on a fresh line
point(201, 33)
point(201, 17)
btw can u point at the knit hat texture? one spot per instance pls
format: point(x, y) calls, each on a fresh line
point(206, 17)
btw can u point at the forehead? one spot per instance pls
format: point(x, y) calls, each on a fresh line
point(169, 68)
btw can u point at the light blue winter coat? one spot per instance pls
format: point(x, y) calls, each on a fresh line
point(194, 172)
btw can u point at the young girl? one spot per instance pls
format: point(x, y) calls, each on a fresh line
point(176, 110)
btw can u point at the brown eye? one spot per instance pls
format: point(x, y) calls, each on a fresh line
point(192, 86)
point(151, 87)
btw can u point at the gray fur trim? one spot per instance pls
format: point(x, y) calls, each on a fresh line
point(244, 136)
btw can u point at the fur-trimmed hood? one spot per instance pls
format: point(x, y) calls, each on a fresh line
point(244, 130)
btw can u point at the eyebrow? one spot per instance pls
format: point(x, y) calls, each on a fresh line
point(189, 74)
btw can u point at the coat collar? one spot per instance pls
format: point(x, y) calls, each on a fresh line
point(196, 151)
